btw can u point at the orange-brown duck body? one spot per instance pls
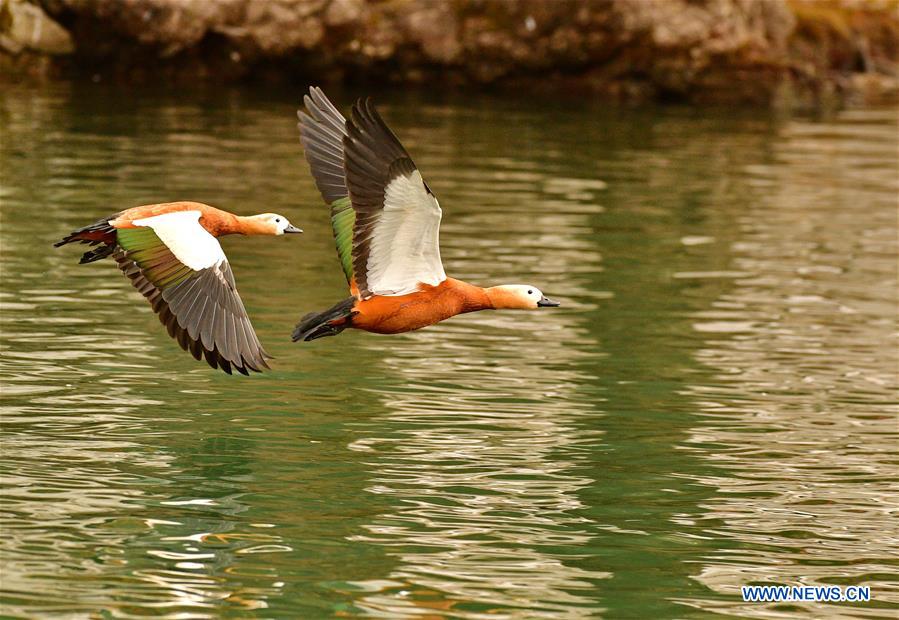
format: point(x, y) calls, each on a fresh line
point(217, 223)
point(171, 255)
point(386, 224)
point(383, 314)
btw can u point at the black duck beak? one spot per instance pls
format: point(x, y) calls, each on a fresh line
point(546, 302)
point(292, 229)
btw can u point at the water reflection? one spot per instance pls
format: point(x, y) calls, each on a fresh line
point(803, 410)
point(477, 451)
point(125, 470)
point(714, 403)
point(84, 485)
point(479, 445)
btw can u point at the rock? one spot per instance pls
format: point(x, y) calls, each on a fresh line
point(343, 12)
point(690, 50)
point(24, 26)
point(435, 31)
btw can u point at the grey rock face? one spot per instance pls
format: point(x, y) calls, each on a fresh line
point(695, 50)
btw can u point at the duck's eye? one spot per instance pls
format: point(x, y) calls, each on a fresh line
point(530, 292)
point(277, 220)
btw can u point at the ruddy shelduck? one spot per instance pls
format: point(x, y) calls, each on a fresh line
point(171, 254)
point(386, 223)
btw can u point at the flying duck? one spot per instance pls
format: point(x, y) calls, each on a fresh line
point(386, 223)
point(171, 255)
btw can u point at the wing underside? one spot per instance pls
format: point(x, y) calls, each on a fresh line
point(200, 308)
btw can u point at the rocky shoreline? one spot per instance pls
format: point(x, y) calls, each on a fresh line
point(792, 52)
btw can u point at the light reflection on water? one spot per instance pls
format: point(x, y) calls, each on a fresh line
point(478, 455)
point(478, 446)
point(714, 405)
point(807, 384)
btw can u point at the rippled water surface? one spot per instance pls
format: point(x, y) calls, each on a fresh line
point(715, 404)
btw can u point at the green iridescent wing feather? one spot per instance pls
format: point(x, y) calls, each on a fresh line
point(322, 128)
point(156, 261)
point(343, 218)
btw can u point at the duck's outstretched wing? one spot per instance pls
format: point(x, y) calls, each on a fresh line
point(182, 271)
point(396, 236)
point(322, 131)
point(395, 219)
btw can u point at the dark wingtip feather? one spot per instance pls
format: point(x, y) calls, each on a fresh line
point(196, 349)
point(211, 358)
point(321, 127)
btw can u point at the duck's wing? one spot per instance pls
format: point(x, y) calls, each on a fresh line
point(396, 235)
point(322, 130)
point(386, 220)
point(182, 271)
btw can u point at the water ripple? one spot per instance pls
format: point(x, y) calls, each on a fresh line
point(715, 403)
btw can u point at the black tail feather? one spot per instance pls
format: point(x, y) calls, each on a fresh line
point(328, 323)
point(93, 234)
point(99, 231)
point(101, 252)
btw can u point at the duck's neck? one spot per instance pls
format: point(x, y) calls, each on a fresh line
point(251, 226)
point(220, 223)
point(500, 298)
point(474, 298)
point(248, 226)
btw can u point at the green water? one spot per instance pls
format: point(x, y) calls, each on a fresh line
point(714, 405)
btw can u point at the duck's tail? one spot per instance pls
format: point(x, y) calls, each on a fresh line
point(328, 323)
point(93, 234)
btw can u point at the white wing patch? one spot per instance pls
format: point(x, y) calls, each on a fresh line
point(405, 248)
point(182, 233)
